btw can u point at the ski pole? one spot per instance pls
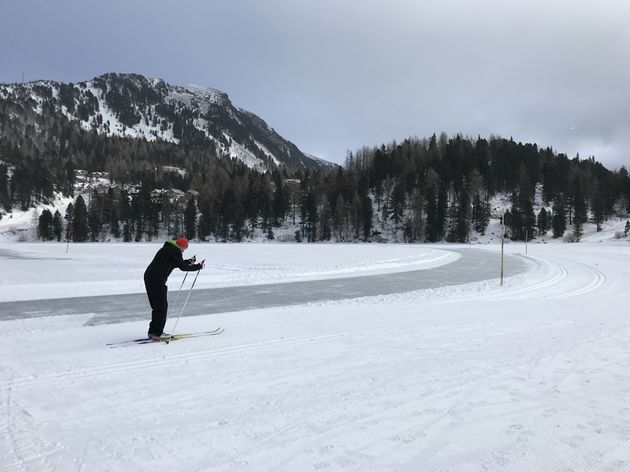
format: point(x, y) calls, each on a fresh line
point(183, 282)
point(185, 302)
point(180, 289)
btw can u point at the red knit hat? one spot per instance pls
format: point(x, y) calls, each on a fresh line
point(182, 243)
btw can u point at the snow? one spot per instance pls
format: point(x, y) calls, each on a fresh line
point(110, 268)
point(237, 151)
point(529, 376)
point(204, 95)
point(268, 153)
point(24, 223)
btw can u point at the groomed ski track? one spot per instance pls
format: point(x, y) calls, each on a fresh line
point(471, 266)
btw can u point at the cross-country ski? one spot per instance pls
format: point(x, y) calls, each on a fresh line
point(166, 340)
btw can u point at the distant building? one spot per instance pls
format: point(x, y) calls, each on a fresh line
point(178, 170)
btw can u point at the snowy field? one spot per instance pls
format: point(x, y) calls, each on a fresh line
point(532, 376)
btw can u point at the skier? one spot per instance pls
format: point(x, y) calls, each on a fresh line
point(167, 258)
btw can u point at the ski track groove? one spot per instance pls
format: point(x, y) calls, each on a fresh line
point(558, 273)
point(171, 360)
point(39, 451)
point(19, 459)
point(599, 279)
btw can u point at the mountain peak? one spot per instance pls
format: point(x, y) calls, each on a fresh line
point(134, 106)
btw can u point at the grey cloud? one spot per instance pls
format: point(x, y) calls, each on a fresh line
point(334, 75)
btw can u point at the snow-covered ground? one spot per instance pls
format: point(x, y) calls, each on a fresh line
point(531, 376)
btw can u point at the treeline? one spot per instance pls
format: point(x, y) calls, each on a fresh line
point(34, 168)
point(421, 190)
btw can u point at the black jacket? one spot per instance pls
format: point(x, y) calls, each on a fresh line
point(166, 259)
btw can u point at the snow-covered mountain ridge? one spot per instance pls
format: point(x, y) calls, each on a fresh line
point(133, 106)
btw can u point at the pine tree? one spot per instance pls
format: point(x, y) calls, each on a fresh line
point(44, 226)
point(480, 214)
point(139, 213)
point(94, 217)
point(154, 206)
point(397, 204)
point(356, 213)
point(459, 217)
point(515, 219)
point(542, 221)
point(190, 219)
point(80, 230)
point(579, 202)
point(68, 218)
point(225, 214)
point(578, 230)
point(367, 216)
point(57, 225)
point(309, 216)
point(442, 209)
point(599, 210)
point(280, 203)
point(110, 213)
point(70, 178)
point(238, 225)
point(124, 213)
point(431, 212)
point(126, 232)
point(559, 218)
point(338, 217)
point(462, 225)
point(528, 218)
point(206, 226)
point(4, 187)
point(325, 219)
point(416, 221)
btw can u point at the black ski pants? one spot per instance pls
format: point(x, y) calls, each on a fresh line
point(158, 299)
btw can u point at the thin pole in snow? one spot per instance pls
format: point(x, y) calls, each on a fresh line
point(525, 241)
point(185, 302)
point(502, 238)
point(180, 289)
point(68, 235)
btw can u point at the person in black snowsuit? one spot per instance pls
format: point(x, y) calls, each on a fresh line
point(166, 259)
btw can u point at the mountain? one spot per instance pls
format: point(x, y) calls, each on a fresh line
point(140, 108)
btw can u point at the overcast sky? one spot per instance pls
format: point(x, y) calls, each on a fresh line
point(334, 75)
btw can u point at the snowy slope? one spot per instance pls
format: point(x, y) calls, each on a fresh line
point(133, 106)
point(531, 376)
